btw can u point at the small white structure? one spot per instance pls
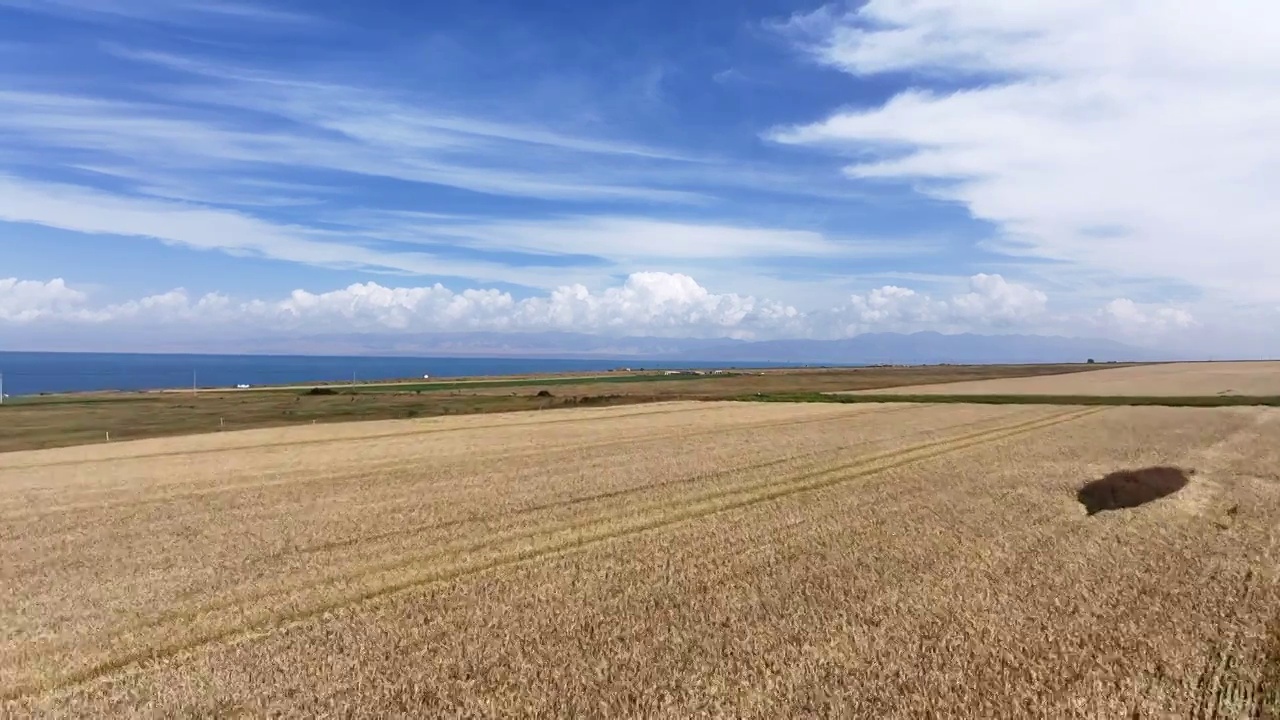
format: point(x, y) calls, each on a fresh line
point(242, 386)
point(426, 377)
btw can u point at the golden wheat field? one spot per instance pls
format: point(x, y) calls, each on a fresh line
point(670, 560)
point(1171, 379)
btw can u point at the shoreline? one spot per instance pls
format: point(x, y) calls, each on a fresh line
point(433, 382)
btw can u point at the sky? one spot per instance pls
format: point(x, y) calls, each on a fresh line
point(751, 169)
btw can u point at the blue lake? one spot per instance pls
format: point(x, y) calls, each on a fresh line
point(29, 373)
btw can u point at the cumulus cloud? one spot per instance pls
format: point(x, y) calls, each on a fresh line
point(890, 305)
point(647, 303)
point(656, 304)
point(1130, 317)
point(28, 300)
point(1133, 138)
point(993, 299)
point(992, 303)
point(663, 303)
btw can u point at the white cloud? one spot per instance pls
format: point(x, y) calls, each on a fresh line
point(627, 239)
point(619, 241)
point(222, 121)
point(991, 304)
point(645, 304)
point(162, 154)
point(197, 13)
point(1133, 137)
point(366, 115)
point(892, 306)
point(28, 300)
point(1127, 316)
point(330, 128)
point(659, 303)
point(218, 190)
point(204, 228)
point(993, 299)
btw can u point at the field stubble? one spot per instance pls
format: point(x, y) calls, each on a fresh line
point(1203, 379)
point(667, 559)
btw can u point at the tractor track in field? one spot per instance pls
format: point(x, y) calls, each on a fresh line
point(388, 466)
point(404, 432)
point(337, 544)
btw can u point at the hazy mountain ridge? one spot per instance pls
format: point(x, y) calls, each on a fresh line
point(933, 347)
point(871, 348)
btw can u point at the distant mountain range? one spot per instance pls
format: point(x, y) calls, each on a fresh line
point(870, 348)
point(867, 349)
point(929, 348)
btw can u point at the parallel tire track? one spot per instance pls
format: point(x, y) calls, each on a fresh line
point(635, 489)
point(507, 456)
point(433, 430)
point(191, 613)
point(631, 510)
point(561, 540)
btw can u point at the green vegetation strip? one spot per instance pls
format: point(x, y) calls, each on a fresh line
point(1150, 400)
point(521, 382)
point(73, 399)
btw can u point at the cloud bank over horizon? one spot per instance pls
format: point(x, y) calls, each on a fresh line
point(646, 304)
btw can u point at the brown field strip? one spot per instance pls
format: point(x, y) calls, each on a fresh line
point(1260, 379)
point(259, 557)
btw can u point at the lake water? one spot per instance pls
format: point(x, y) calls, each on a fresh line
point(29, 373)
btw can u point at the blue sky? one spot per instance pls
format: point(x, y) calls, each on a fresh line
point(746, 169)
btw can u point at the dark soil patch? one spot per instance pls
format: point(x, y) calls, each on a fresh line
point(322, 391)
point(1131, 488)
point(597, 400)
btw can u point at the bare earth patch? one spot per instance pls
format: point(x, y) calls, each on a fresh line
point(1172, 380)
point(665, 560)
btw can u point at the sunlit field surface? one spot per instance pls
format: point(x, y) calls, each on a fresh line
point(1173, 379)
point(670, 559)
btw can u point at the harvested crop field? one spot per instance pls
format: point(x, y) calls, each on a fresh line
point(767, 560)
point(1170, 380)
